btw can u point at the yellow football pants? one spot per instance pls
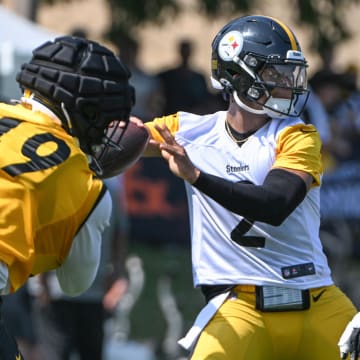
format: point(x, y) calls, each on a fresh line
point(240, 332)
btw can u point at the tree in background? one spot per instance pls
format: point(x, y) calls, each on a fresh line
point(325, 18)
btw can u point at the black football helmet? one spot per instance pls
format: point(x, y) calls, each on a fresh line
point(252, 56)
point(83, 83)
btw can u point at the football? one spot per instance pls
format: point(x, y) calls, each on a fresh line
point(125, 148)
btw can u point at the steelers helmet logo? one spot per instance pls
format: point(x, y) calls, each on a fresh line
point(230, 45)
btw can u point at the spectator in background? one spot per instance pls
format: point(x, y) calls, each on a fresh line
point(185, 89)
point(79, 32)
point(347, 114)
point(316, 114)
point(157, 208)
point(78, 322)
point(329, 88)
point(149, 94)
point(332, 89)
point(18, 313)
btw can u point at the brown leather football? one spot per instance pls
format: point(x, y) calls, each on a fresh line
point(125, 148)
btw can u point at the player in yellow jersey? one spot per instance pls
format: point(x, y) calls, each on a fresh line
point(252, 176)
point(53, 205)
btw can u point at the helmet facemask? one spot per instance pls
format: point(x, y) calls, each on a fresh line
point(280, 88)
point(109, 139)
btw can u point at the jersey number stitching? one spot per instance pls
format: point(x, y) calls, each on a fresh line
point(38, 162)
point(237, 234)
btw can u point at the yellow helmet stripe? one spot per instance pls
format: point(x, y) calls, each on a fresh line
point(289, 33)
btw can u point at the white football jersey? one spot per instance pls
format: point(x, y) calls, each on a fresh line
point(292, 253)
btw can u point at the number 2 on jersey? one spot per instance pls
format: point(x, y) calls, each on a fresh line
point(238, 233)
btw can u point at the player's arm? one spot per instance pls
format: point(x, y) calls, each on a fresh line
point(152, 148)
point(79, 269)
point(171, 122)
point(272, 202)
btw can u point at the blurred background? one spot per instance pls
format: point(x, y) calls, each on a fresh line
point(167, 46)
point(327, 29)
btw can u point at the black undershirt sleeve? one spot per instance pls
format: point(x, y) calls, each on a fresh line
point(272, 202)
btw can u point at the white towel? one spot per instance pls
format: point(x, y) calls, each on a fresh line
point(204, 316)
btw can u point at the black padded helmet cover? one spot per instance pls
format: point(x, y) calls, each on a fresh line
point(84, 83)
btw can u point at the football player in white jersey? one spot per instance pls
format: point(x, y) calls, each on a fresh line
point(252, 176)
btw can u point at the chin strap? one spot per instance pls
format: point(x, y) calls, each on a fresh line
point(274, 107)
point(247, 108)
point(67, 117)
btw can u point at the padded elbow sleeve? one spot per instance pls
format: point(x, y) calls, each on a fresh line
point(272, 202)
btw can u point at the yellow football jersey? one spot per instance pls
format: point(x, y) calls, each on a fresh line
point(47, 191)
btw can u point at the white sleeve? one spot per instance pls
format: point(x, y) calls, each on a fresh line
point(79, 269)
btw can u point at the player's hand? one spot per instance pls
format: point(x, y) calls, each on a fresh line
point(136, 121)
point(349, 341)
point(176, 156)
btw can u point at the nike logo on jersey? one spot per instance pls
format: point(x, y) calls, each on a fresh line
point(18, 357)
point(317, 297)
